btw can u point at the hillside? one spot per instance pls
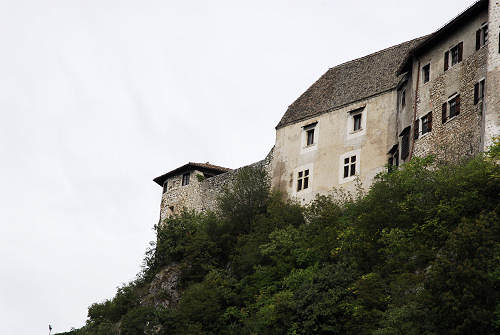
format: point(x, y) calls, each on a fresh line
point(419, 253)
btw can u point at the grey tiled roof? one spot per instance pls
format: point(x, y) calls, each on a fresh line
point(349, 82)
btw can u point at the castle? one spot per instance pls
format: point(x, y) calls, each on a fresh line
point(438, 94)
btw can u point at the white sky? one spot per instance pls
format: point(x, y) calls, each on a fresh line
point(99, 97)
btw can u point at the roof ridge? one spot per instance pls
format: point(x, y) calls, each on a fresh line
point(381, 51)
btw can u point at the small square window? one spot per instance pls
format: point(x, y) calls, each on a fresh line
point(303, 180)
point(349, 166)
point(426, 73)
point(357, 121)
point(185, 179)
point(310, 136)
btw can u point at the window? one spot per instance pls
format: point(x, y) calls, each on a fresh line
point(357, 122)
point(403, 99)
point(393, 157)
point(165, 186)
point(405, 142)
point(349, 166)
point(482, 36)
point(479, 91)
point(454, 55)
point(185, 179)
point(303, 180)
point(426, 73)
point(310, 136)
point(427, 123)
point(451, 108)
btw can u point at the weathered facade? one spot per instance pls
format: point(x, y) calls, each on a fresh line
point(439, 94)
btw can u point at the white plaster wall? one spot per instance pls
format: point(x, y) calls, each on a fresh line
point(334, 140)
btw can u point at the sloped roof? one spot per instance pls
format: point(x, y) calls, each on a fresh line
point(349, 82)
point(204, 167)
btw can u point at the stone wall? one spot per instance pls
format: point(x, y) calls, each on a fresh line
point(200, 195)
point(461, 135)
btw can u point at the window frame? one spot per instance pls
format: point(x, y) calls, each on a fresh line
point(186, 178)
point(307, 130)
point(353, 166)
point(357, 118)
point(426, 127)
point(479, 91)
point(453, 101)
point(310, 137)
point(449, 60)
point(405, 143)
point(482, 36)
point(426, 73)
point(303, 180)
point(352, 116)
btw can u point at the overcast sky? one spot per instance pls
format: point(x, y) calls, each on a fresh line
point(98, 97)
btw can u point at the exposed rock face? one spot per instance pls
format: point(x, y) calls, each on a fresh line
point(163, 290)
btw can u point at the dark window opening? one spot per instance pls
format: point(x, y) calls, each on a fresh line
point(349, 166)
point(303, 180)
point(426, 73)
point(165, 186)
point(185, 179)
point(393, 160)
point(479, 91)
point(405, 143)
point(481, 36)
point(427, 123)
point(310, 137)
point(454, 55)
point(454, 105)
point(403, 99)
point(357, 122)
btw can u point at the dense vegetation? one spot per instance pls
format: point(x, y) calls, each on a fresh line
point(419, 253)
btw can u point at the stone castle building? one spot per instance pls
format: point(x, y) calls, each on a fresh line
point(438, 94)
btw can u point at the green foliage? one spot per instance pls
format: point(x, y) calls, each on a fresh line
point(418, 254)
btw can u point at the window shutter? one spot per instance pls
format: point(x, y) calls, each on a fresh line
point(443, 114)
point(476, 93)
point(457, 108)
point(446, 58)
point(460, 51)
point(478, 39)
point(429, 121)
point(416, 129)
